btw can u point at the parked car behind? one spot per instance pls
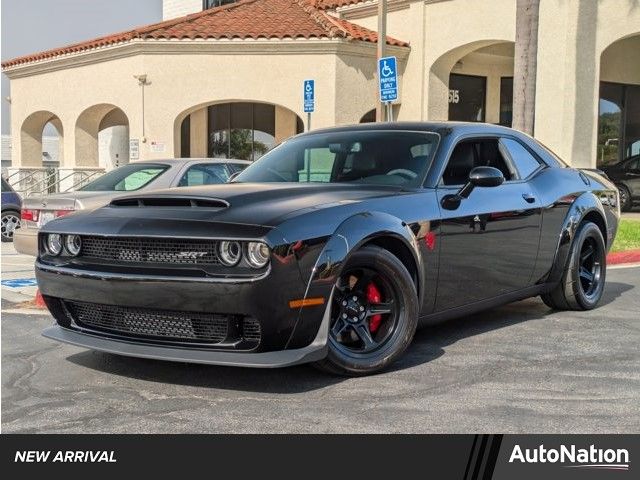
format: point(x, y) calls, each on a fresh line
point(626, 176)
point(139, 176)
point(11, 202)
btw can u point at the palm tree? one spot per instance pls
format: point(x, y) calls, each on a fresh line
point(525, 64)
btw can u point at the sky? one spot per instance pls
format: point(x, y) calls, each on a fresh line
point(30, 26)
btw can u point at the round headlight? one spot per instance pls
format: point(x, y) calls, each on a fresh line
point(257, 254)
point(73, 244)
point(54, 243)
point(230, 253)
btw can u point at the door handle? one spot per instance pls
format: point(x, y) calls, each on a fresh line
point(529, 197)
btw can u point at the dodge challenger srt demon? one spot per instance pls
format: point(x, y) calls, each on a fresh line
point(332, 248)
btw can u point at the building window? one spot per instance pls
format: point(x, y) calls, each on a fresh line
point(506, 101)
point(467, 95)
point(244, 131)
point(206, 4)
point(618, 122)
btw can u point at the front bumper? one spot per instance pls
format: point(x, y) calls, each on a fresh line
point(288, 336)
point(25, 241)
point(317, 350)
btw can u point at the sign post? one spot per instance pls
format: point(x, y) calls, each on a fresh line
point(388, 87)
point(309, 99)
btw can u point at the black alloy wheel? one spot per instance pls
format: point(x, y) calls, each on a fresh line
point(583, 280)
point(625, 198)
point(590, 267)
point(374, 314)
point(365, 311)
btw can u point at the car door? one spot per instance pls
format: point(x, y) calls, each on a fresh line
point(489, 242)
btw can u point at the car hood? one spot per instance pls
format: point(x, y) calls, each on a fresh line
point(78, 200)
point(265, 203)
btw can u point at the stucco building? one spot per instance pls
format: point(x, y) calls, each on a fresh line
point(227, 80)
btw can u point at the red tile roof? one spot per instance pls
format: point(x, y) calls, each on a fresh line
point(333, 4)
point(246, 19)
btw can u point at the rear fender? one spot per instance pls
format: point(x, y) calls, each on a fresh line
point(584, 204)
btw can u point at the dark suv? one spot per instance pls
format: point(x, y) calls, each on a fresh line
point(626, 176)
point(11, 203)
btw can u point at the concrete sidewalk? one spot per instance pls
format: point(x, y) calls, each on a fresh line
point(18, 276)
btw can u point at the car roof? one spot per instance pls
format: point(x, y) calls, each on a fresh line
point(182, 161)
point(438, 127)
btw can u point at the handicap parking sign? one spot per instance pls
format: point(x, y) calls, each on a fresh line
point(388, 78)
point(309, 95)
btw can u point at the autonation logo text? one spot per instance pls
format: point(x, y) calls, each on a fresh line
point(574, 457)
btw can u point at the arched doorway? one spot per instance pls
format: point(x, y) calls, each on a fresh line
point(369, 117)
point(241, 130)
point(41, 140)
point(473, 83)
point(619, 102)
point(102, 137)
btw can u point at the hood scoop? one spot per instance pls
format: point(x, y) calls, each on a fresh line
point(170, 202)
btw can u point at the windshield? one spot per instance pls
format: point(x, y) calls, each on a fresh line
point(367, 157)
point(126, 179)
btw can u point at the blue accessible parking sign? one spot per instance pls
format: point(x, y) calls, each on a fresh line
point(388, 77)
point(309, 96)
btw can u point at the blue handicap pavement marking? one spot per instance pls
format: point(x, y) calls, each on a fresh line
point(388, 78)
point(309, 95)
point(20, 282)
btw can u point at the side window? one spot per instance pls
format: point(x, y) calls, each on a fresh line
point(524, 162)
point(469, 154)
point(318, 165)
point(204, 174)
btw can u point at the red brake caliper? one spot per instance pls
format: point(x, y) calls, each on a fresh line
point(373, 297)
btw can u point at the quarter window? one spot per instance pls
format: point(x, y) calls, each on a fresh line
point(524, 162)
point(206, 174)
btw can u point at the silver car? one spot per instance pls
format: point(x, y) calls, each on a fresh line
point(137, 176)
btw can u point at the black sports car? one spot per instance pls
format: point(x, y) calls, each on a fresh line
point(332, 249)
point(626, 176)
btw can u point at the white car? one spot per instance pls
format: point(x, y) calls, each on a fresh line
point(137, 176)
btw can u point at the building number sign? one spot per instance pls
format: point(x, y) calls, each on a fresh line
point(454, 96)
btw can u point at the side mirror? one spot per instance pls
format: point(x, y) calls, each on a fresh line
point(233, 176)
point(486, 177)
point(478, 177)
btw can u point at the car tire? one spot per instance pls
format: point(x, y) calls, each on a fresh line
point(9, 217)
point(584, 276)
point(625, 198)
point(395, 330)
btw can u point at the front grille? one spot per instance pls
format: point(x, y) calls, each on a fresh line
point(251, 330)
point(151, 250)
point(142, 322)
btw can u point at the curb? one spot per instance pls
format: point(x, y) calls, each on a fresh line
point(628, 256)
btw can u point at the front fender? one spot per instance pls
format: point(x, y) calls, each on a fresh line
point(350, 235)
point(582, 205)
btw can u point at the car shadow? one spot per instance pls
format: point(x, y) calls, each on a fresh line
point(429, 344)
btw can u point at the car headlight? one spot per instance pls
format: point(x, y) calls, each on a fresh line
point(230, 252)
point(54, 243)
point(73, 244)
point(257, 254)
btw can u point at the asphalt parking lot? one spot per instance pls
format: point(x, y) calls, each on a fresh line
point(519, 368)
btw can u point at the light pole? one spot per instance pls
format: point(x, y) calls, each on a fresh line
point(382, 52)
point(142, 82)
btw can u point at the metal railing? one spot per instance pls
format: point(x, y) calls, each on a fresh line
point(26, 182)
